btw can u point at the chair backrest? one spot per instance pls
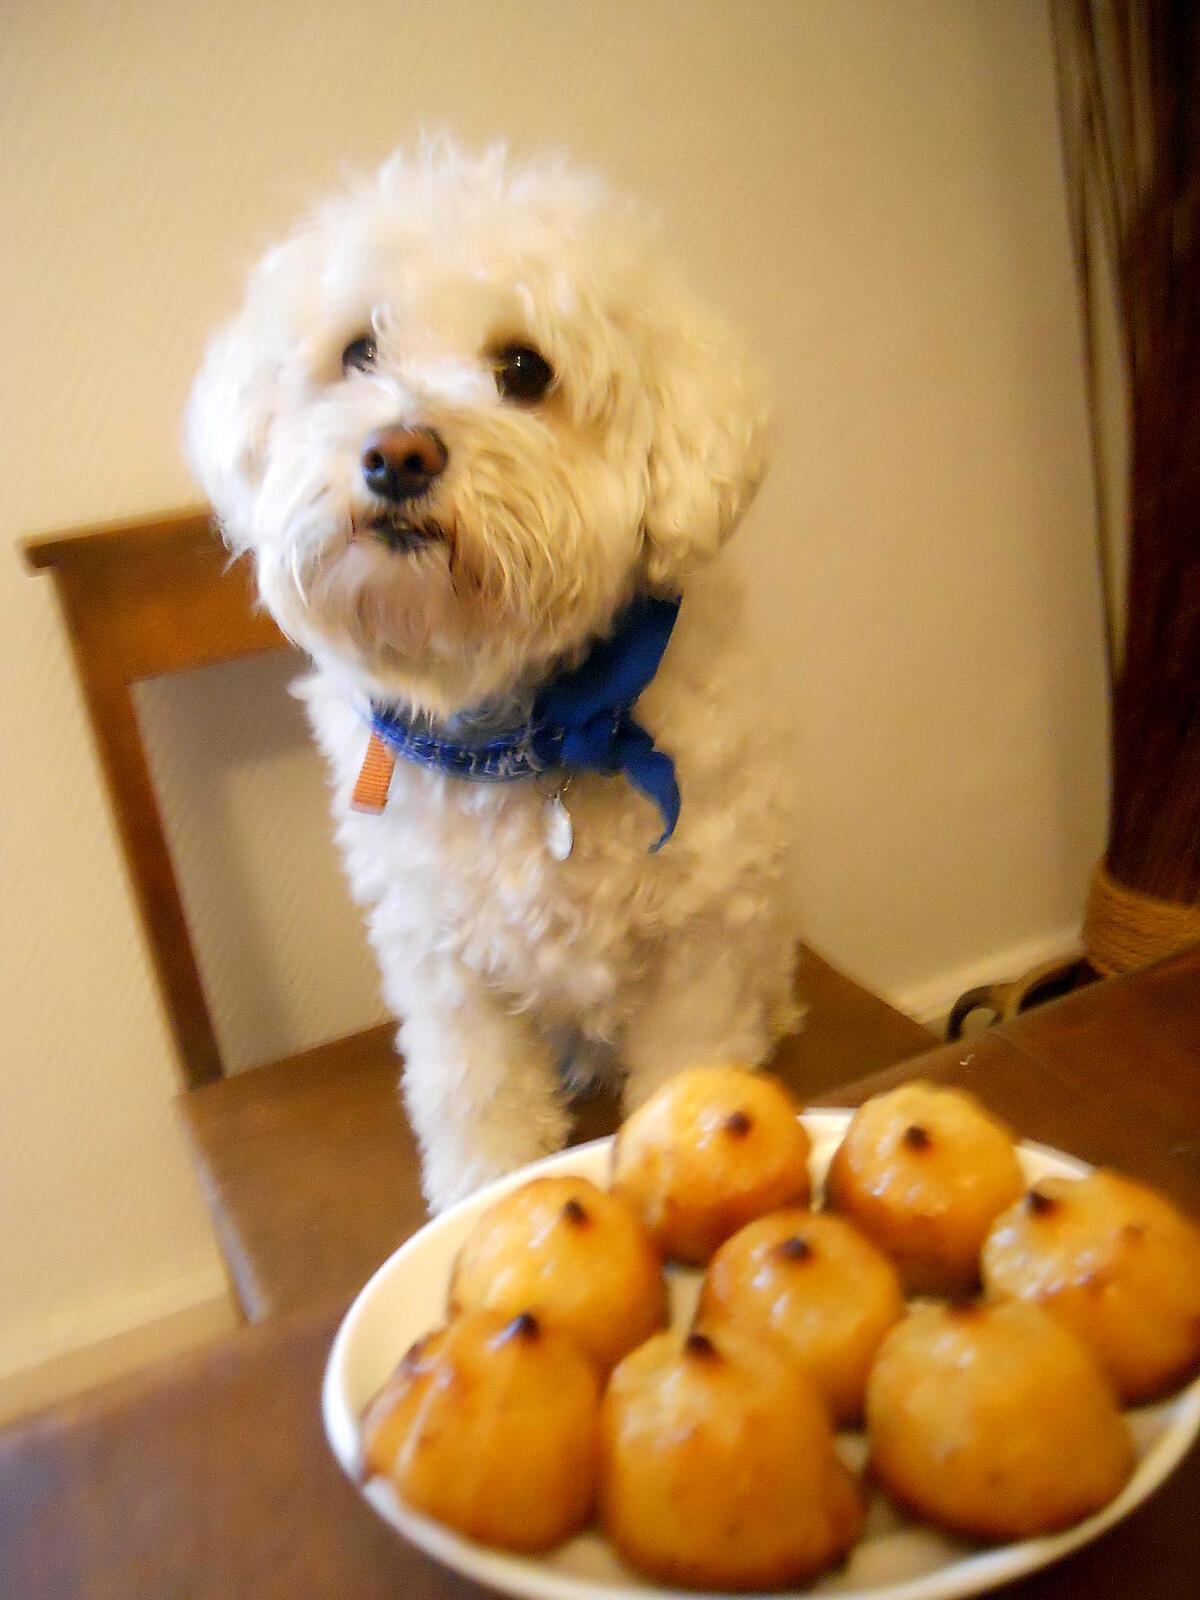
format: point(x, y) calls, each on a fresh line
point(143, 599)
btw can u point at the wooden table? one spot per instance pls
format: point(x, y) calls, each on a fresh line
point(208, 1478)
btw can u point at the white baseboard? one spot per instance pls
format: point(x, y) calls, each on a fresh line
point(930, 1002)
point(70, 1353)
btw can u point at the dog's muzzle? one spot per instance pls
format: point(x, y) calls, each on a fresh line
point(400, 465)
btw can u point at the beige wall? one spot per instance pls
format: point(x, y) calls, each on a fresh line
point(872, 186)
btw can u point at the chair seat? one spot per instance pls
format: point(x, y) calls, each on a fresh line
point(311, 1172)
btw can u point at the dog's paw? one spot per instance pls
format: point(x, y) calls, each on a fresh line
point(450, 1171)
point(445, 1182)
point(445, 1188)
point(585, 1065)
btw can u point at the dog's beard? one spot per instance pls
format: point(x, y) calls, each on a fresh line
point(415, 607)
point(454, 599)
point(419, 613)
point(396, 592)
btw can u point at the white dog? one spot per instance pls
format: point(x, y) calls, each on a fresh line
point(479, 440)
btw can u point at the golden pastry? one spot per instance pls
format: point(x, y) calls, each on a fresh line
point(574, 1256)
point(994, 1421)
point(710, 1151)
point(490, 1425)
point(718, 1469)
point(924, 1172)
point(1117, 1263)
point(814, 1284)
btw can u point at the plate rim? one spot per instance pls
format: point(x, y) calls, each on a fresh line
point(529, 1578)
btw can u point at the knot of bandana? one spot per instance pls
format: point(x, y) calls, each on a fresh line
point(580, 722)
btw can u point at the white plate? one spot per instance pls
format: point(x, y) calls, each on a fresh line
point(895, 1560)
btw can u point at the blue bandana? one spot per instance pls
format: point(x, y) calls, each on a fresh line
point(580, 722)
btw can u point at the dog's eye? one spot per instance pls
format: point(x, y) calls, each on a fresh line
point(359, 353)
point(522, 374)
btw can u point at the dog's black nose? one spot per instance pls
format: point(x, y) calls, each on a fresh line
point(401, 463)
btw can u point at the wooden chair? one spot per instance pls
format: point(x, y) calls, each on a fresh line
point(307, 1163)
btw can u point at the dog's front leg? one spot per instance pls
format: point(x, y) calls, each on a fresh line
point(725, 998)
point(481, 1087)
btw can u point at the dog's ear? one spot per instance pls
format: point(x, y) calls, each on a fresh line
point(708, 446)
point(227, 422)
point(237, 390)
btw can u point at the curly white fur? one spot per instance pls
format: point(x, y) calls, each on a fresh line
point(627, 477)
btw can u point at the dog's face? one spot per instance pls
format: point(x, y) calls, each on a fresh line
point(461, 418)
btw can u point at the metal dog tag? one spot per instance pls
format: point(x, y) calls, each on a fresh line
point(560, 832)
